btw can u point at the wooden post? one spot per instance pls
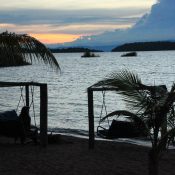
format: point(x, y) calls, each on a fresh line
point(27, 95)
point(43, 115)
point(91, 118)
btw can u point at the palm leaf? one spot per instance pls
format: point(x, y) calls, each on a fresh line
point(126, 114)
point(18, 49)
point(119, 113)
point(122, 80)
point(129, 85)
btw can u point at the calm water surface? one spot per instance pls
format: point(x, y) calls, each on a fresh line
point(67, 91)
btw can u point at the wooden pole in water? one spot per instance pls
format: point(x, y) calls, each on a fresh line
point(91, 118)
point(43, 115)
point(27, 95)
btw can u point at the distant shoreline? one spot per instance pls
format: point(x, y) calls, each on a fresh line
point(73, 50)
point(145, 46)
point(127, 47)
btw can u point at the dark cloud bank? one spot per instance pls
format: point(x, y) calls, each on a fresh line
point(158, 25)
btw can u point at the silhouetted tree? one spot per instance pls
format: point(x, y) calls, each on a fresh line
point(21, 49)
point(153, 110)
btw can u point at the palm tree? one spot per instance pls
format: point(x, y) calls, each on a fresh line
point(21, 49)
point(153, 109)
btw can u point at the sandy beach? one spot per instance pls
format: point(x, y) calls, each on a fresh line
point(71, 156)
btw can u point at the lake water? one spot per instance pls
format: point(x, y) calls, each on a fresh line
point(67, 92)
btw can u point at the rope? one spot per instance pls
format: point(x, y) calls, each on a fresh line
point(24, 103)
point(21, 97)
point(32, 104)
point(103, 107)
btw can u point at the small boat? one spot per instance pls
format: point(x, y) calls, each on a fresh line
point(89, 54)
point(130, 54)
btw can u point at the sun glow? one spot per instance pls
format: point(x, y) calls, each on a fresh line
point(55, 38)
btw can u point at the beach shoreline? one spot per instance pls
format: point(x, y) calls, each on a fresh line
point(71, 156)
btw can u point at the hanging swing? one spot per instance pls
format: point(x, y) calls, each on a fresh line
point(101, 130)
point(118, 128)
point(31, 105)
point(11, 124)
point(105, 128)
point(43, 113)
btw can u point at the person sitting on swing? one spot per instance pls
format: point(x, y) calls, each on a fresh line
point(26, 123)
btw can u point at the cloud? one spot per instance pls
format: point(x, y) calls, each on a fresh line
point(28, 16)
point(158, 24)
point(69, 21)
point(72, 4)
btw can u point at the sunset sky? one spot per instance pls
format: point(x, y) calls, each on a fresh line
point(53, 21)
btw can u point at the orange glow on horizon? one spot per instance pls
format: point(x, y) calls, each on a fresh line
point(55, 38)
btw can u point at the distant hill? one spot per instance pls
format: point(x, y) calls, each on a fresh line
point(145, 46)
point(73, 50)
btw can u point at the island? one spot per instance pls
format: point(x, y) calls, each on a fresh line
point(145, 46)
point(73, 50)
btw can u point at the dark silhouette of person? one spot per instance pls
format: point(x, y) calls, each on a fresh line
point(29, 130)
point(25, 118)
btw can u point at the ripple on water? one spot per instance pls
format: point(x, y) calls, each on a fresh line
point(67, 91)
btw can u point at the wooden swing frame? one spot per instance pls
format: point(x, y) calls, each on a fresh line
point(43, 105)
point(90, 91)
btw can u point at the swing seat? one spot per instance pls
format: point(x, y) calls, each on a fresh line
point(10, 125)
point(120, 129)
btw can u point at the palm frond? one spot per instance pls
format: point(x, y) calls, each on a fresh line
point(119, 113)
point(122, 80)
point(18, 49)
point(129, 85)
